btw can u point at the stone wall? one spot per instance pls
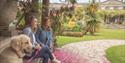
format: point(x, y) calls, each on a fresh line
point(8, 10)
point(4, 42)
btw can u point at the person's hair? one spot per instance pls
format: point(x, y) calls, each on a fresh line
point(43, 23)
point(30, 19)
point(45, 20)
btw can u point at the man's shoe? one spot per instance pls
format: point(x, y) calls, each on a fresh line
point(56, 61)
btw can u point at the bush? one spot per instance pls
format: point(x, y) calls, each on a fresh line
point(73, 34)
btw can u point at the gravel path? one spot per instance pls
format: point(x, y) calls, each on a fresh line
point(93, 51)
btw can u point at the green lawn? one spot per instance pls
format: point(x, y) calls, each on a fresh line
point(103, 34)
point(116, 54)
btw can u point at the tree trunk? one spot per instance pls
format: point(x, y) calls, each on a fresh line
point(45, 9)
point(8, 10)
point(45, 13)
point(105, 18)
point(35, 8)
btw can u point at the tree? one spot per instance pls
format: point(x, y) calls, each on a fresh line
point(45, 9)
point(92, 21)
point(29, 8)
point(73, 3)
point(112, 16)
point(45, 13)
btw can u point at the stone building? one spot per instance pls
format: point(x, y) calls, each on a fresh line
point(113, 5)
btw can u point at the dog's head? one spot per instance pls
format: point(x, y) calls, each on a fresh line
point(21, 44)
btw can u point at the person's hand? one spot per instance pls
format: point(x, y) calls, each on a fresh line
point(51, 45)
point(38, 46)
point(42, 45)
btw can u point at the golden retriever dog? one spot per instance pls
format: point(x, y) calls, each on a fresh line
point(19, 46)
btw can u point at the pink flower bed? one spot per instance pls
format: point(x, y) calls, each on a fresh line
point(68, 57)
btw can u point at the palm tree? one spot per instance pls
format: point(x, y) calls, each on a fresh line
point(73, 3)
point(70, 1)
point(92, 24)
point(92, 21)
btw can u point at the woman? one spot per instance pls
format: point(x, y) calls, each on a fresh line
point(44, 34)
point(30, 30)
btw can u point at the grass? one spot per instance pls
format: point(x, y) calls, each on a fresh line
point(103, 34)
point(116, 54)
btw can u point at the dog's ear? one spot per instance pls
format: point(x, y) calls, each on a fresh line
point(15, 43)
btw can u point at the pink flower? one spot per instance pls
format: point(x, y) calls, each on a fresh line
point(68, 57)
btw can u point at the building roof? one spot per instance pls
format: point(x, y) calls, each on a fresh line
point(112, 2)
point(58, 5)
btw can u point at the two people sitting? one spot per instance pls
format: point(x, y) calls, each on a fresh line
point(41, 38)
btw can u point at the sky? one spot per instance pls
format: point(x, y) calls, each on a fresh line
point(79, 1)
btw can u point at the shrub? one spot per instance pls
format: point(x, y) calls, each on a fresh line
point(73, 34)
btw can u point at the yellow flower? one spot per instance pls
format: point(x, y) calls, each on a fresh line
point(71, 24)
